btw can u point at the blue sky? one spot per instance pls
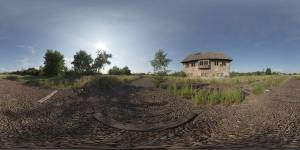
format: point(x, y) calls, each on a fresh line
point(255, 33)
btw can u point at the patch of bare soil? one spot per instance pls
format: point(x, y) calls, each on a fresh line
point(67, 120)
point(271, 120)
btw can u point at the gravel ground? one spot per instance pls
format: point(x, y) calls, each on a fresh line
point(67, 120)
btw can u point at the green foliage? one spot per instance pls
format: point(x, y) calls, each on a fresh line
point(258, 89)
point(29, 71)
point(268, 71)
point(12, 77)
point(160, 62)
point(158, 80)
point(101, 60)
point(296, 77)
point(268, 83)
point(178, 74)
point(54, 63)
point(125, 71)
point(67, 81)
point(218, 97)
point(117, 71)
point(103, 83)
point(206, 96)
point(82, 63)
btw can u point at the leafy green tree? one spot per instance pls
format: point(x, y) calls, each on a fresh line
point(160, 62)
point(117, 71)
point(125, 71)
point(54, 63)
point(114, 70)
point(82, 62)
point(101, 60)
point(268, 71)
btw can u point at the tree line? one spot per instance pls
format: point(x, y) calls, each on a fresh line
point(83, 64)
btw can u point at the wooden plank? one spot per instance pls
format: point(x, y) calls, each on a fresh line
point(47, 97)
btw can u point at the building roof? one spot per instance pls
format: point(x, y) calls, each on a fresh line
point(206, 56)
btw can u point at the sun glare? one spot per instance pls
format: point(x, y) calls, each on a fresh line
point(100, 46)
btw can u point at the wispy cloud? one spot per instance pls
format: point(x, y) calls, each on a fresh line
point(29, 48)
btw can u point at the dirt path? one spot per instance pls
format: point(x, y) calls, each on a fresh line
point(67, 120)
point(272, 120)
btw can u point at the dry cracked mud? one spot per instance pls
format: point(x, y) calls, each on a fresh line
point(67, 120)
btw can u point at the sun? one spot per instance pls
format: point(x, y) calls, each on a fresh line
point(100, 46)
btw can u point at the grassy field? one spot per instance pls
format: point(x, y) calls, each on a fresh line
point(226, 91)
point(220, 91)
point(64, 82)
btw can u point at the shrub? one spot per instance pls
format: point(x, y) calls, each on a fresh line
point(178, 74)
point(157, 80)
point(258, 89)
point(29, 71)
point(117, 71)
point(12, 77)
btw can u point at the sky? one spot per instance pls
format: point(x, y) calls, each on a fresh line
point(256, 34)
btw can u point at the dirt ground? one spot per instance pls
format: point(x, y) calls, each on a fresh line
point(134, 116)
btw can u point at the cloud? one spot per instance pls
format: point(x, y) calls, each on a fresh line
point(68, 62)
point(30, 49)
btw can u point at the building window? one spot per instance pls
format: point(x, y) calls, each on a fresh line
point(223, 63)
point(193, 64)
point(204, 63)
point(216, 63)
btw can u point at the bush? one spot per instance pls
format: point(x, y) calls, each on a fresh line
point(178, 74)
point(258, 89)
point(12, 77)
point(117, 71)
point(54, 63)
point(29, 71)
point(157, 80)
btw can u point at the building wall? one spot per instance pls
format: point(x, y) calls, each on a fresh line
point(216, 70)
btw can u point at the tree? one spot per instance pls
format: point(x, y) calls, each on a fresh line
point(125, 71)
point(114, 71)
point(54, 63)
point(101, 60)
point(160, 62)
point(117, 71)
point(82, 62)
point(268, 71)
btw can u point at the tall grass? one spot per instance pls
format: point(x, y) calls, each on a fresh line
point(218, 97)
point(182, 87)
point(268, 83)
point(206, 96)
